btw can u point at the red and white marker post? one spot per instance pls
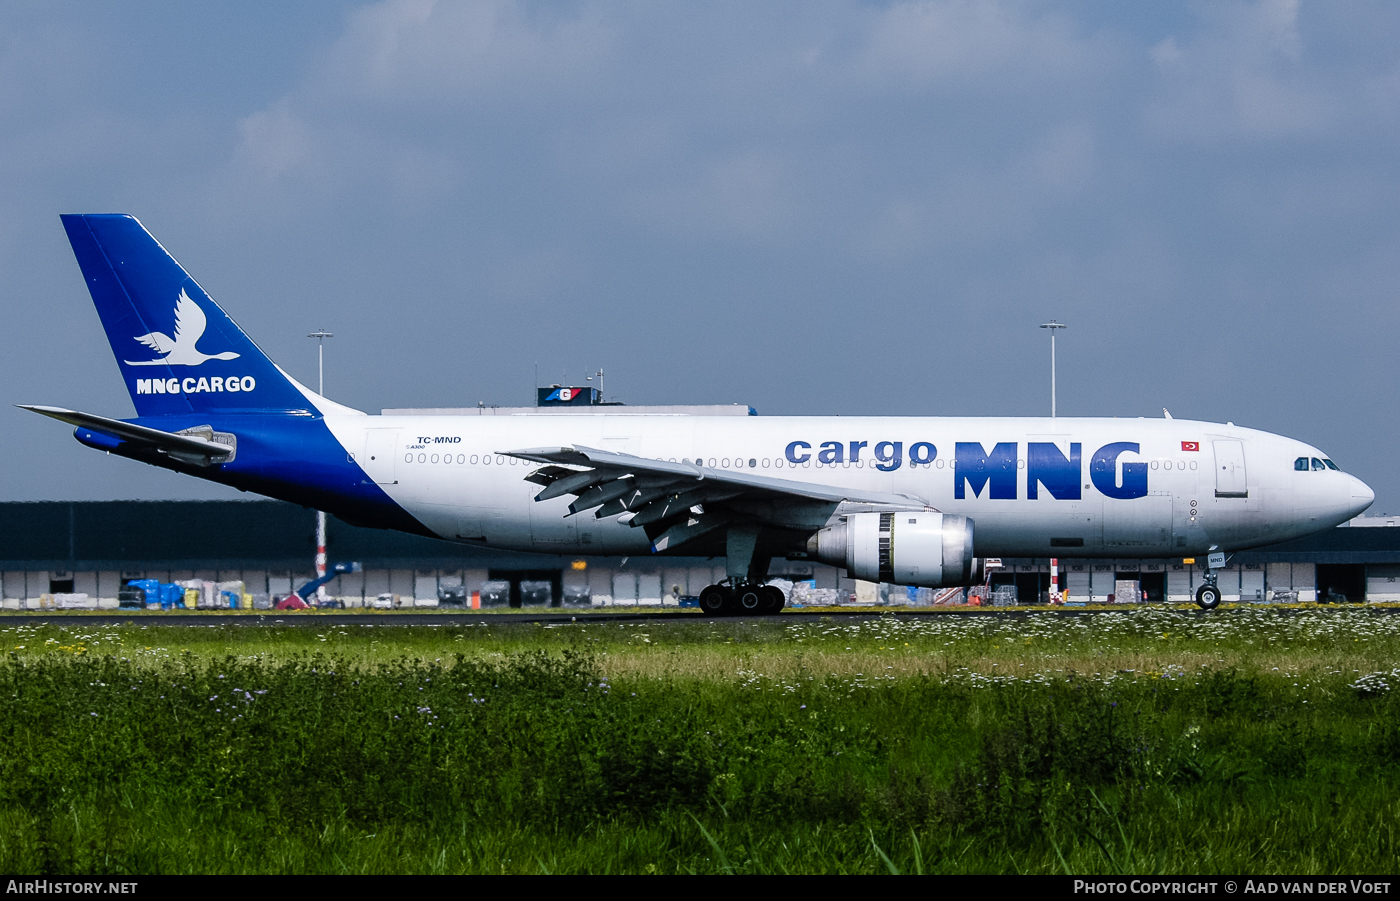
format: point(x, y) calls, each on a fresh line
point(320, 552)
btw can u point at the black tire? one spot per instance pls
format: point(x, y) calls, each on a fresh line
point(1208, 597)
point(714, 600)
point(773, 599)
point(749, 600)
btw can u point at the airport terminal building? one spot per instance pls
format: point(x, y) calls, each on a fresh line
point(86, 552)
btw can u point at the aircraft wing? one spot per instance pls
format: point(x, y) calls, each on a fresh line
point(189, 448)
point(677, 502)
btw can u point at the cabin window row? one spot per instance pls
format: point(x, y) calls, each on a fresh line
point(765, 463)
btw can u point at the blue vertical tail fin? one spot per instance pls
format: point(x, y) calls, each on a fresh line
point(178, 351)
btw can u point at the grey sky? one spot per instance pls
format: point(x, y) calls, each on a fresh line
point(809, 207)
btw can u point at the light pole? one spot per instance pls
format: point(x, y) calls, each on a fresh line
point(320, 335)
point(1052, 325)
point(599, 375)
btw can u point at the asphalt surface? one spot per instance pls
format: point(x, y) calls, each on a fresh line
point(321, 619)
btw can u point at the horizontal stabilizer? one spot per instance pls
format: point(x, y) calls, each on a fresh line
point(188, 448)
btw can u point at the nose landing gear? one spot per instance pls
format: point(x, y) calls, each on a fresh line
point(1208, 595)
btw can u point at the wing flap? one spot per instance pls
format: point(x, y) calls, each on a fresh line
point(682, 473)
point(669, 499)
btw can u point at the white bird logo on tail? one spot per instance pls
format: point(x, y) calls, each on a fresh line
point(190, 323)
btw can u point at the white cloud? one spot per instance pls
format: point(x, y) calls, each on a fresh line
point(423, 51)
point(747, 195)
point(386, 105)
point(274, 142)
point(971, 44)
point(974, 203)
point(418, 177)
point(1062, 162)
point(1245, 75)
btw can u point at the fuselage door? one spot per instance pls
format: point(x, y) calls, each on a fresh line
point(381, 447)
point(1230, 478)
point(1140, 522)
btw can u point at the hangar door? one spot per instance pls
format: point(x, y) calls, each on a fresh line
point(1229, 469)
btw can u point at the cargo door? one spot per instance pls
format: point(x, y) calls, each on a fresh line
point(551, 528)
point(469, 524)
point(1230, 478)
point(1143, 523)
point(381, 452)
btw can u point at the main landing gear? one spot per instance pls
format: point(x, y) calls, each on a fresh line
point(744, 592)
point(742, 599)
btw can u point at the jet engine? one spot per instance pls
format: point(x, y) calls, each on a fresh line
point(932, 550)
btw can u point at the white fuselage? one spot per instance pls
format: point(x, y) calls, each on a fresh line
point(450, 473)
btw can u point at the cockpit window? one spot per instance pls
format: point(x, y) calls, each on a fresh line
point(1301, 464)
point(1317, 464)
point(1331, 465)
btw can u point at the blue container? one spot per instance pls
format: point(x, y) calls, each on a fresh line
point(230, 599)
point(151, 589)
point(171, 596)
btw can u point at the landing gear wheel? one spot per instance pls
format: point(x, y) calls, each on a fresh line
point(714, 600)
point(750, 599)
point(1208, 597)
point(773, 599)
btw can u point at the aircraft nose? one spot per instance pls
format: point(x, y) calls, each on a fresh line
point(1361, 496)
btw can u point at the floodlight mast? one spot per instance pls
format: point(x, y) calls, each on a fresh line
point(599, 376)
point(1052, 325)
point(320, 335)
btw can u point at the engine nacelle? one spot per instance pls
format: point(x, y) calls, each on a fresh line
point(932, 550)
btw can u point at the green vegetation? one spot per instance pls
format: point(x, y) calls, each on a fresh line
point(1159, 741)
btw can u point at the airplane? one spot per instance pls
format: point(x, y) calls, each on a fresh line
point(918, 501)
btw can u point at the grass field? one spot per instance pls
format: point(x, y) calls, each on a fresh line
point(1249, 740)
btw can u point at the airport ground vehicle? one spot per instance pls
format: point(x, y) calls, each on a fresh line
point(302, 596)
